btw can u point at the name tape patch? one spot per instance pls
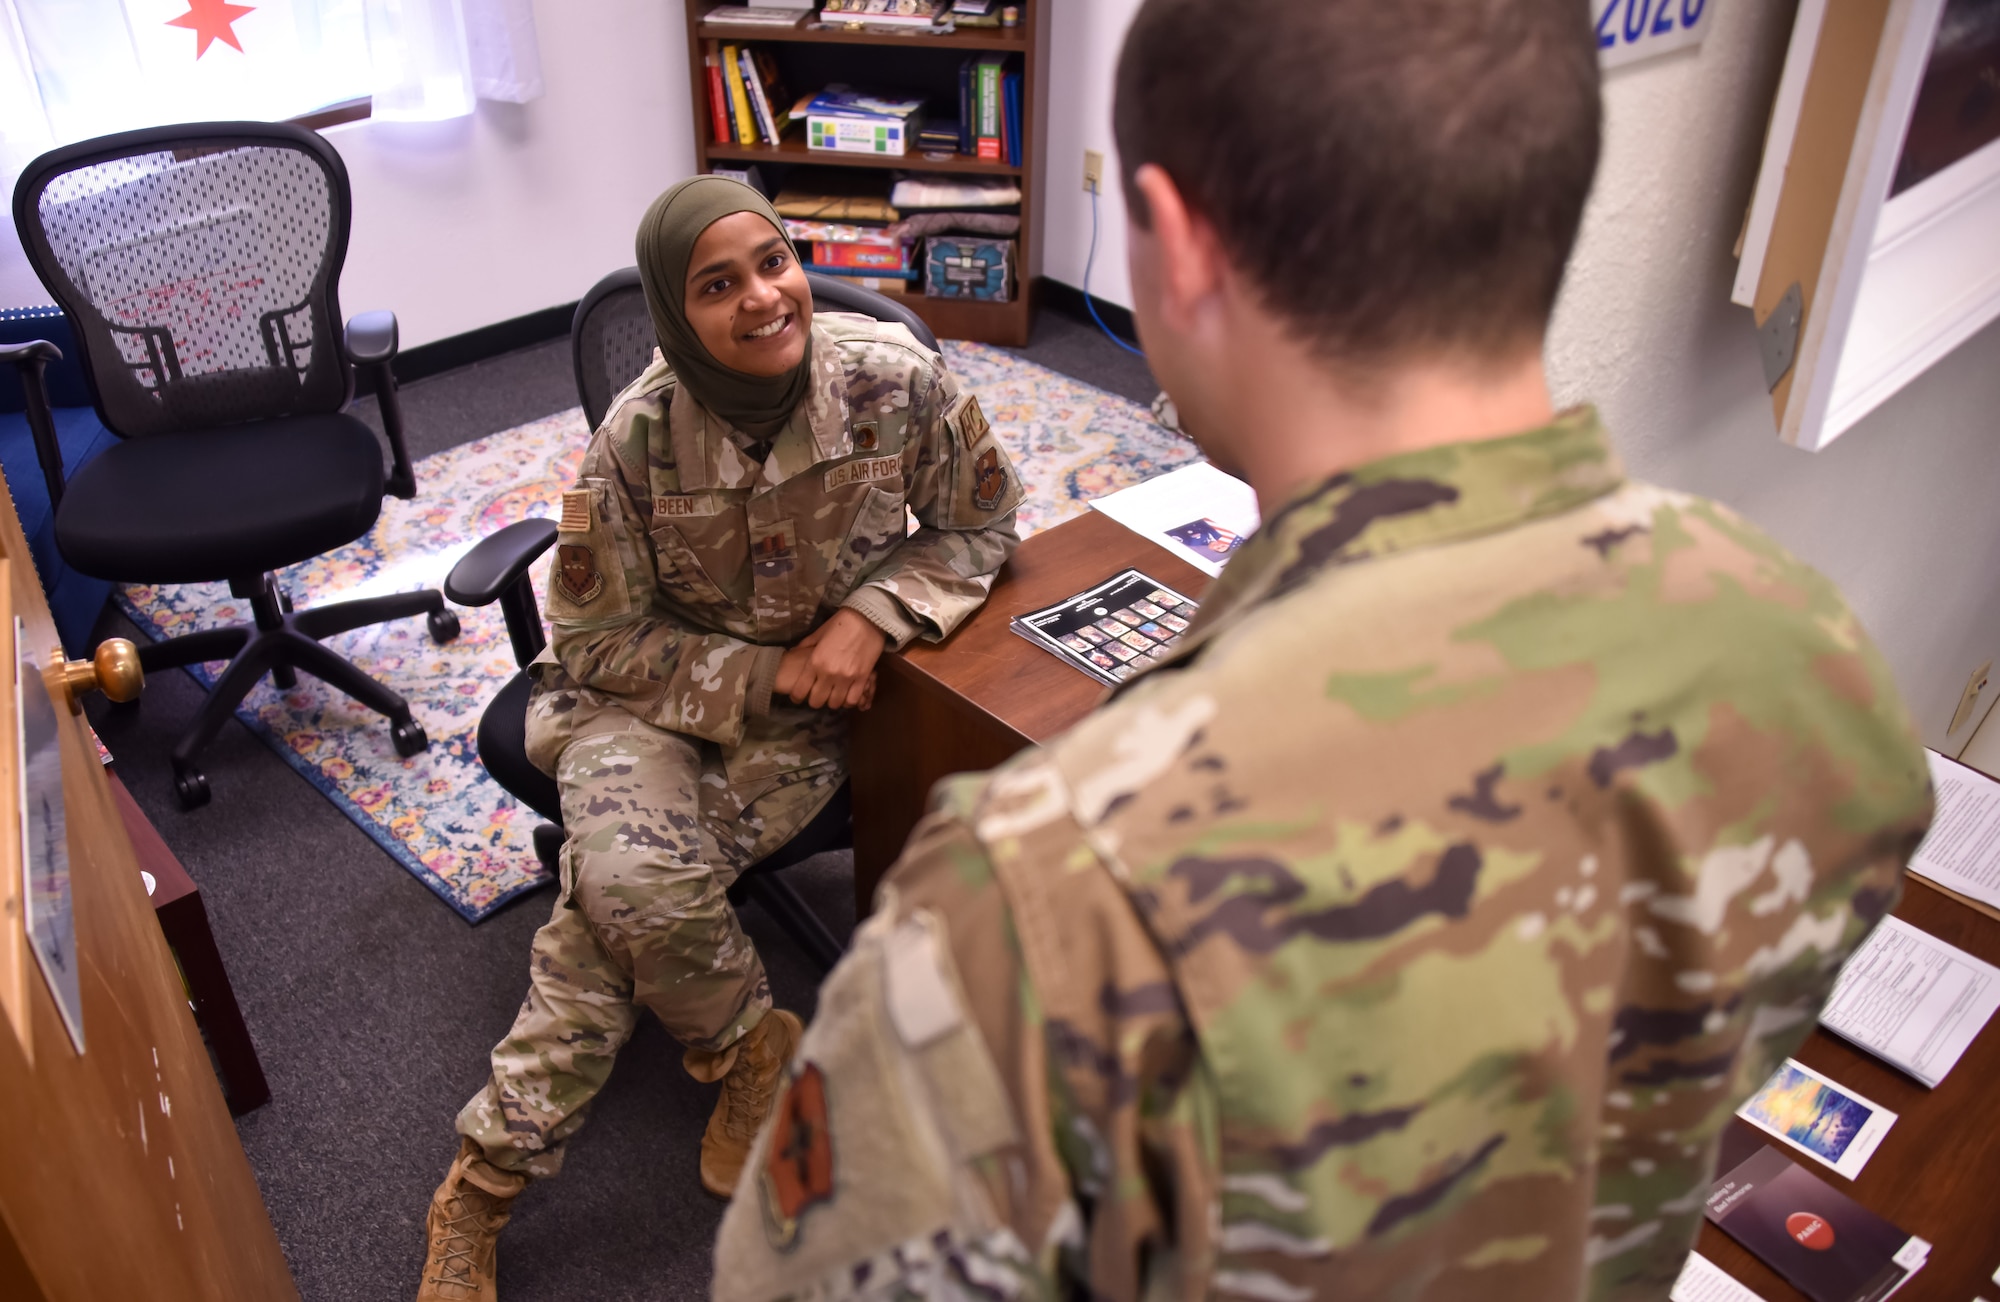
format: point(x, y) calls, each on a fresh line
point(864, 472)
point(668, 507)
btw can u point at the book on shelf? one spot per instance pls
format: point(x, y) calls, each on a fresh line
point(968, 77)
point(863, 274)
point(767, 96)
point(770, 13)
point(718, 95)
point(987, 105)
point(739, 97)
point(1011, 88)
point(912, 14)
point(807, 231)
point(874, 259)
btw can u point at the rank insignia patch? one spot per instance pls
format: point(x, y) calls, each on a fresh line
point(576, 573)
point(867, 436)
point(971, 422)
point(772, 554)
point(989, 480)
point(798, 1170)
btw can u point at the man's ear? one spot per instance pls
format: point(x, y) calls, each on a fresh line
point(1190, 267)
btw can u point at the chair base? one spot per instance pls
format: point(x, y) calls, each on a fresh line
point(281, 642)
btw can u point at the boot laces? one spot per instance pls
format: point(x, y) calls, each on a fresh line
point(457, 1246)
point(746, 1093)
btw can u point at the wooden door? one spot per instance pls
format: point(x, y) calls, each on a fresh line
point(123, 1176)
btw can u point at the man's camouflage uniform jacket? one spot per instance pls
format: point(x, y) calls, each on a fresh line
point(685, 566)
point(1411, 934)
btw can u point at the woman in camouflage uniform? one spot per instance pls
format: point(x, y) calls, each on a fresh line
point(731, 562)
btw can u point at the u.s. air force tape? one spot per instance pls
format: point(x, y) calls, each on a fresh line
point(863, 472)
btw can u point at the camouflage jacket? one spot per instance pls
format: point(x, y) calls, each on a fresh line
point(684, 569)
point(1411, 934)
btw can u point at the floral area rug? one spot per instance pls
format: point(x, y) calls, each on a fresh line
point(438, 814)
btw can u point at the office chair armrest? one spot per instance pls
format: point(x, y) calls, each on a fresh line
point(371, 343)
point(496, 569)
point(29, 358)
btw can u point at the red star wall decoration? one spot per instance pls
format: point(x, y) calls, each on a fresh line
point(210, 21)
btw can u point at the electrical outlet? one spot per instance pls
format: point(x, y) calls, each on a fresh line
point(1093, 171)
point(1973, 687)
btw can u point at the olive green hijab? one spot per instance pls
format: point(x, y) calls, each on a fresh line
point(758, 405)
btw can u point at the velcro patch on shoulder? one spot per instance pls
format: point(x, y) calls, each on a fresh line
point(670, 506)
point(575, 511)
point(863, 472)
point(968, 421)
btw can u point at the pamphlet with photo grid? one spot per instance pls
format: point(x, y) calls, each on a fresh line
point(1114, 631)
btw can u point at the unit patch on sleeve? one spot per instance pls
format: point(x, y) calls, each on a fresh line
point(863, 472)
point(798, 1171)
point(575, 512)
point(576, 569)
point(989, 480)
point(969, 421)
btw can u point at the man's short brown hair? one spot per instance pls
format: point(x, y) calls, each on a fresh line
point(1395, 176)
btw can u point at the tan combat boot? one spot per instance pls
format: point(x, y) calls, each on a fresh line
point(468, 1211)
point(749, 1071)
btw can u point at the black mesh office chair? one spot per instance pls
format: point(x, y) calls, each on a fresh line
point(199, 267)
point(611, 342)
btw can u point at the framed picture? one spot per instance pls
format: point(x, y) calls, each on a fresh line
point(1868, 253)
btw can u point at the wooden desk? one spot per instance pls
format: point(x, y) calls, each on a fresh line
point(985, 692)
point(973, 700)
point(184, 922)
point(1934, 1175)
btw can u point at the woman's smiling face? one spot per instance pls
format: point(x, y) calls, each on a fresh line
point(747, 296)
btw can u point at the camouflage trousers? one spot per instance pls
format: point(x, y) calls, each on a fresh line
point(642, 918)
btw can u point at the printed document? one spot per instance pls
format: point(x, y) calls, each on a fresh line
point(1198, 513)
point(1962, 851)
point(1912, 1000)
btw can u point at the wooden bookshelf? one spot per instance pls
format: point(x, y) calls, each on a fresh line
point(810, 57)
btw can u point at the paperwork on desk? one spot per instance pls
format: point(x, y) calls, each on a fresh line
point(1912, 1000)
point(1962, 852)
point(1703, 1281)
point(1198, 513)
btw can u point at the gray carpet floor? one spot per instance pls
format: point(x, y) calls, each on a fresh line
point(373, 1006)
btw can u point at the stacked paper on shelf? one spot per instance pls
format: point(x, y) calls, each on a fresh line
point(768, 13)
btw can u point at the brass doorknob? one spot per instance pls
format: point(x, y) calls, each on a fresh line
point(113, 669)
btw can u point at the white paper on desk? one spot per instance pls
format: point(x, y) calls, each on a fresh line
point(1198, 513)
point(1703, 1281)
point(1963, 848)
point(1912, 1000)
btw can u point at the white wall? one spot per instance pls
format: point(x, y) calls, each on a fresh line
point(1900, 512)
point(464, 223)
point(522, 206)
point(1084, 38)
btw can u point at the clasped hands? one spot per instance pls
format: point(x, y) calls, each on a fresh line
point(833, 667)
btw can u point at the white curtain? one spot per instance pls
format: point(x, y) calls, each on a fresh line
point(72, 69)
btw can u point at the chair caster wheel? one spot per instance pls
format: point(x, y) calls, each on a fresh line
point(409, 738)
point(192, 788)
point(444, 625)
